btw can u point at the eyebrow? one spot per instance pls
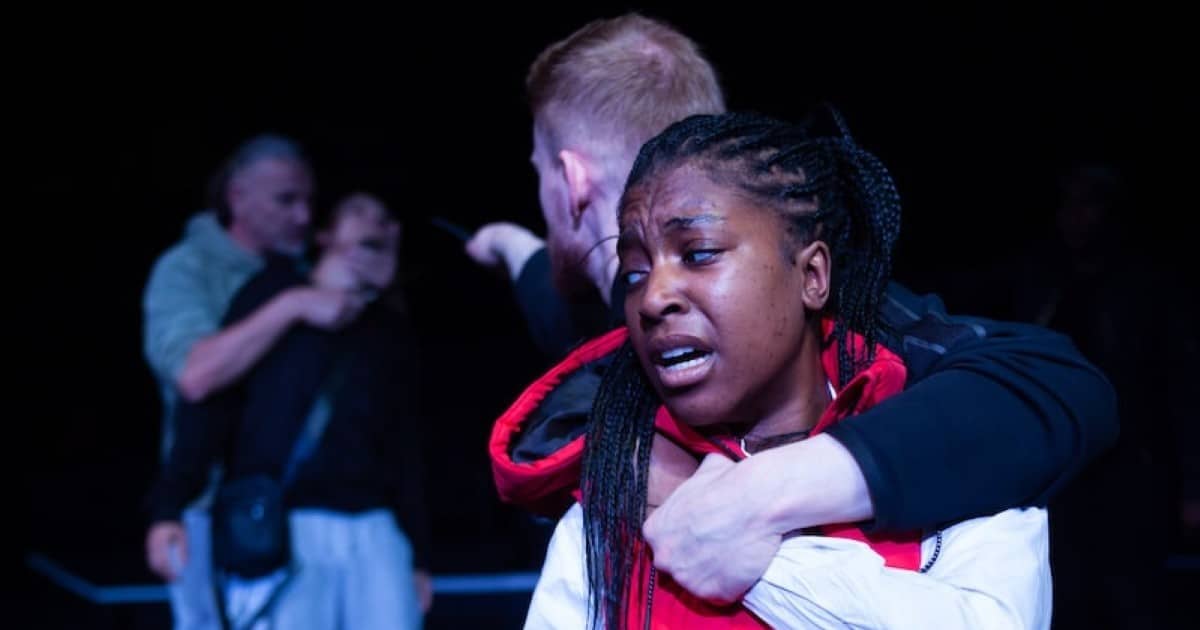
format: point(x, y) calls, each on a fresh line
point(629, 236)
point(687, 223)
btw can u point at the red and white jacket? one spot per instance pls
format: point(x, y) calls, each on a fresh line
point(550, 480)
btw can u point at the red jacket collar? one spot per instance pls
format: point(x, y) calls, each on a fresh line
point(549, 484)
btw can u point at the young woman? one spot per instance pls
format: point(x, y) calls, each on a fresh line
point(755, 256)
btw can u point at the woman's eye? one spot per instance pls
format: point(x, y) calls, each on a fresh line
point(700, 256)
point(631, 278)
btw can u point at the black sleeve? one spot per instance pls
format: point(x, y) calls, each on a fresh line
point(203, 429)
point(202, 432)
point(405, 436)
point(556, 324)
point(277, 275)
point(995, 415)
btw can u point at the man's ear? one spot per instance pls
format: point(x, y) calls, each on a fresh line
point(580, 176)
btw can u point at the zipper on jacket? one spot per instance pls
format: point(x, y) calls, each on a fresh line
point(650, 596)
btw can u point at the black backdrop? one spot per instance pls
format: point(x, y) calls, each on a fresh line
point(975, 109)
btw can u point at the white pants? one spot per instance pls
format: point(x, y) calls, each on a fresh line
point(192, 604)
point(355, 571)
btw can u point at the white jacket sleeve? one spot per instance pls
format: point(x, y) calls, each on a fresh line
point(992, 572)
point(560, 599)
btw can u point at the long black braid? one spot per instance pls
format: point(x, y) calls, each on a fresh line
point(827, 188)
point(614, 483)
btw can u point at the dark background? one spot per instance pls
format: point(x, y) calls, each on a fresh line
point(976, 108)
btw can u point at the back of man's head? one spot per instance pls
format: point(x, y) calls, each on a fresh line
point(615, 83)
point(250, 152)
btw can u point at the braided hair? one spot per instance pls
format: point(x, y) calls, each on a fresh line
point(826, 188)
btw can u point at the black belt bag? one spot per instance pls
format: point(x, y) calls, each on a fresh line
point(250, 533)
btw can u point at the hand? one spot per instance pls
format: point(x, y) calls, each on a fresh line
point(162, 540)
point(374, 268)
point(709, 535)
point(503, 243)
point(328, 309)
point(424, 583)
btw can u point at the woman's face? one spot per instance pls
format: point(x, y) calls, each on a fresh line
point(717, 297)
point(359, 249)
point(362, 220)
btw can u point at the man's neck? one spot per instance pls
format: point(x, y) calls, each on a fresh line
point(602, 263)
point(602, 268)
point(240, 235)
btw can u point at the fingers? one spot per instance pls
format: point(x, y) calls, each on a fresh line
point(180, 547)
point(424, 584)
point(166, 551)
point(156, 559)
point(374, 268)
point(479, 248)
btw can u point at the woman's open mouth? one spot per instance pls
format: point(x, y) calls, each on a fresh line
point(681, 361)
